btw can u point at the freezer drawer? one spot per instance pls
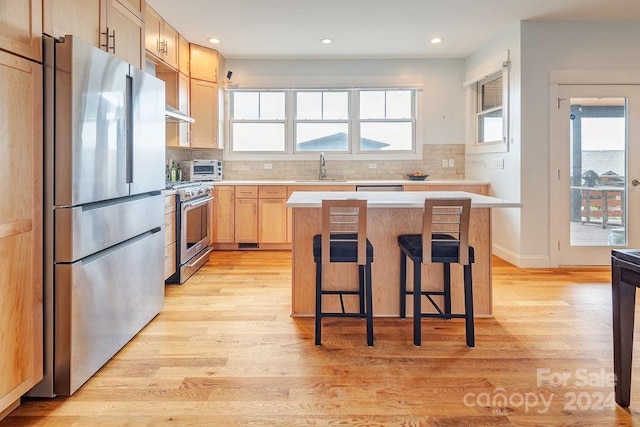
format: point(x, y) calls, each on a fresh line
point(103, 301)
point(85, 230)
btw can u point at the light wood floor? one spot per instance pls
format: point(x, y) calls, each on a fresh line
point(225, 352)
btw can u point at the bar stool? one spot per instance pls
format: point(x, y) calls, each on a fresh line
point(344, 240)
point(444, 239)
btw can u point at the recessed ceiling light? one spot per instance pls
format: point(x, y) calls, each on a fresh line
point(436, 40)
point(214, 40)
point(326, 41)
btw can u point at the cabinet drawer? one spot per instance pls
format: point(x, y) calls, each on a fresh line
point(273, 192)
point(246, 191)
point(169, 204)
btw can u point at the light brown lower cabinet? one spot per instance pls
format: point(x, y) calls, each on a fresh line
point(21, 317)
point(169, 235)
point(223, 221)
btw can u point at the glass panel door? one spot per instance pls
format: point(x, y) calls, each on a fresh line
point(595, 137)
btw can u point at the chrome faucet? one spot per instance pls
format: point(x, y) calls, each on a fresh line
point(322, 173)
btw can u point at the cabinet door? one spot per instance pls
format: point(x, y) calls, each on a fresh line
point(169, 38)
point(152, 31)
point(246, 220)
point(21, 357)
point(204, 110)
point(223, 215)
point(78, 17)
point(204, 63)
point(272, 216)
point(21, 27)
point(183, 56)
point(184, 129)
point(123, 33)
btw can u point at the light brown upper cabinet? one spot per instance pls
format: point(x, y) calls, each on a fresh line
point(204, 63)
point(122, 31)
point(204, 110)
point(21, 27)
point(161, 40)
point(183, 56)
point(81, 18)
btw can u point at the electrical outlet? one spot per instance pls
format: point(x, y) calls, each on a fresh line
point(268, 166)
point(451, 163)
point(373, 166)
point(445, 164)
point(498, 163)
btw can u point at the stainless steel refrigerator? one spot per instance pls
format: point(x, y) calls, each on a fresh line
point(103, 209)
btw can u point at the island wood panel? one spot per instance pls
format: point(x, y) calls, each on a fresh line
point(384, 225)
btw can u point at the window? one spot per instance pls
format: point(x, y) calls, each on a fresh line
point(387, 120)
point(488, 106)
point(489, 117)
point(298, 121)
point(322, 121)
point(258, 121)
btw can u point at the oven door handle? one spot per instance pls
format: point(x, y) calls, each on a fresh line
point(196, 203)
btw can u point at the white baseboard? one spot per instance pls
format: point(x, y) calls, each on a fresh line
point(519, 260)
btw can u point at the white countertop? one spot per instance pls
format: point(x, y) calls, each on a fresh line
point(347, 182)
point(394, 199)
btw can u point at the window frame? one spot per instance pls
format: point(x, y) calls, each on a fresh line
point(413, 120)
point(353, 152)
point(485, 73)
point(295, 120)
point(232, 121)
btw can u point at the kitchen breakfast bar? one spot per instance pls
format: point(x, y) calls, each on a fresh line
point(389, 215)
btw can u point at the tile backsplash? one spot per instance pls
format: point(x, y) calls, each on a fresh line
point(433, 156)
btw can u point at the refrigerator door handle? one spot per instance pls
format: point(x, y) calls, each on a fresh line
point(129, 129)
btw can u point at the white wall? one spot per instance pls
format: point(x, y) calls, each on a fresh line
point(443, 113)
point(505, 183)
point(549, 46)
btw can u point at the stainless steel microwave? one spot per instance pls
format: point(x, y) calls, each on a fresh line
point(204, 170)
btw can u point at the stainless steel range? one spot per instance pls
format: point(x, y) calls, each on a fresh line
point(193, 228)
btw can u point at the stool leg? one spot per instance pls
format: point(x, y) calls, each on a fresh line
point(468, 306)
point(403, 284)
point(361, 288)
point(446, 268)
point(417, 300)
point(369, 298)
point(318, 302)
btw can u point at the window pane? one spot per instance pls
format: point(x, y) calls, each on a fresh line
point(386, 136)
point(335, 106)
point(309, 105)
point(490, 126)
point(399, 104)
point(492, 94)
point(372, 104)
point(258, 137)
point(322, 136)
point(245, 105)
point(272, 106)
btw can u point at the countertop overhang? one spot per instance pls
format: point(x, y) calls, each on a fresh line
point(347, 182)
point(394, 199)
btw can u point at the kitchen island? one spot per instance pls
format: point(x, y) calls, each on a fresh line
point(389, 215)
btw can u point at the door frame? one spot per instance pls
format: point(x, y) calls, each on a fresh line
point(557, 196)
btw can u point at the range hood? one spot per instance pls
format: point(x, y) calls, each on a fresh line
point(175, 116)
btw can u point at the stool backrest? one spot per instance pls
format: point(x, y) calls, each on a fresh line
point(344, 216)
point(449, 217)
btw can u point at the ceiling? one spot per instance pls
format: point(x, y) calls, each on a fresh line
point(285, 29)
